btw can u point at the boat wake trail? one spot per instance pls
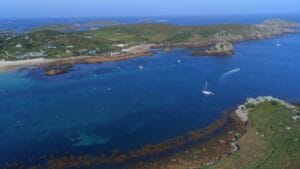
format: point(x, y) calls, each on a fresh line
point(228, 74)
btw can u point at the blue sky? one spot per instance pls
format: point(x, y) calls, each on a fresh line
point(112, 8)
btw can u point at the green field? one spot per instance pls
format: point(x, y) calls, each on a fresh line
point(271, 142)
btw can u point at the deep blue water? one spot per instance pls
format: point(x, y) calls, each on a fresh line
point(116, 105)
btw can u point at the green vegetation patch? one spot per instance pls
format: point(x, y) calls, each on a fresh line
point(271, 142)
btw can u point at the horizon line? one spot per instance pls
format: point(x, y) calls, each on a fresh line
point(149, 16)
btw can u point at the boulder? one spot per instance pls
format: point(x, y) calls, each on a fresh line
point(57, 70)
point(167, 49)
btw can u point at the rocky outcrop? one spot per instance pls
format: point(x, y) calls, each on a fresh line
point(55, 70)
point(167, 49)
point(220, 49)
point(243, 110)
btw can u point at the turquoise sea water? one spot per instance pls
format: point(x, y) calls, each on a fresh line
point(98, 108)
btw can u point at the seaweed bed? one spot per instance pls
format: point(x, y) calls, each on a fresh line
point(223, 129)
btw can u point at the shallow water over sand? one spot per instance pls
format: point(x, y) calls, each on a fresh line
point(125, 105)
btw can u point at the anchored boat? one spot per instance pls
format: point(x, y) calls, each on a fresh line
point(206, 91)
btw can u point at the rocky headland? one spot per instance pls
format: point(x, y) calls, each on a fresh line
point(245, 140)
point(243, 110)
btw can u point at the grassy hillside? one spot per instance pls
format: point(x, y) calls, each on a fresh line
point(51, 43)
point(271, 142)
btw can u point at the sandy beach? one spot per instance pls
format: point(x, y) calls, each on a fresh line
point(13, 65)
point(132, 52)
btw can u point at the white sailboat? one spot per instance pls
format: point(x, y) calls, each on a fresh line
point(206, 91)
point(278, 44)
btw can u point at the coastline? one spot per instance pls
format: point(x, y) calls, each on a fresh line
point(54, 64)
point(130, 159)
point(206, 147)
point(206, 152)
point(57, 66)
point(13, 65)
point(201, 44)
point(185, 150)
point(237, 135)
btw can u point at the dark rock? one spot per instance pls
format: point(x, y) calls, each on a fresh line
point(220, 49)
point(58, 70)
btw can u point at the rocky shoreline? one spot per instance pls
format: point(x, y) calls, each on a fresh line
point(211, 46)
point(62, 66)
point(220, 49)
point(53, 67)
point(218, 147)
point(204, 153)
point(136, 157)
point(218, 45)
point(243, 110)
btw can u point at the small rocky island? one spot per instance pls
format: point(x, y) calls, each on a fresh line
point(220, 49)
